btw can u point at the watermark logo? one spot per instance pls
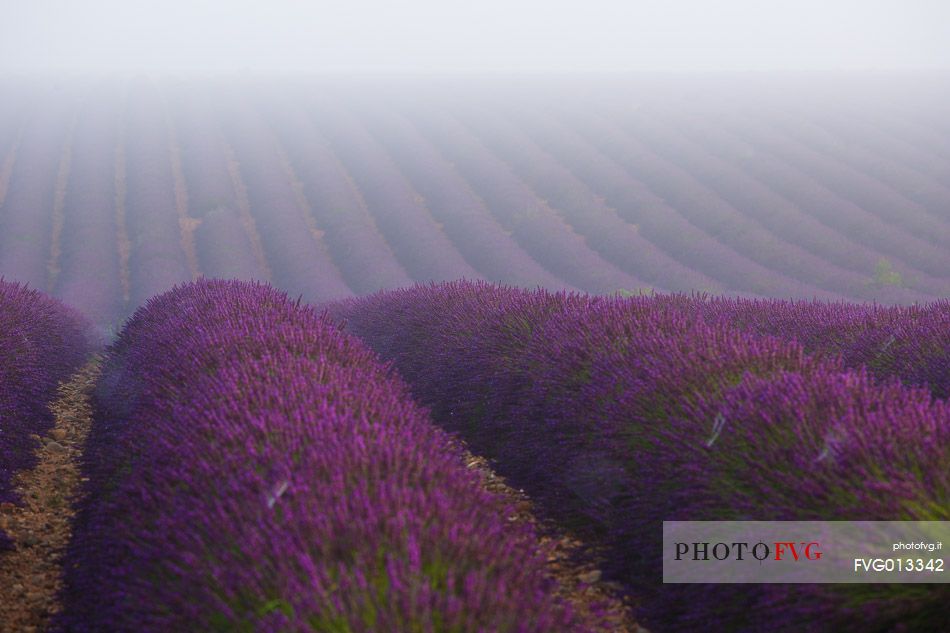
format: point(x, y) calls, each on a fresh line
point(740, 550)
point(805, 551)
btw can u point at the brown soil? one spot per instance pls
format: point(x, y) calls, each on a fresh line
point(31, 573)
point(580, 584)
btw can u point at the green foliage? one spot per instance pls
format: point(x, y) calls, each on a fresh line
point(276, 604)
point(636, 292)
point(885, 275)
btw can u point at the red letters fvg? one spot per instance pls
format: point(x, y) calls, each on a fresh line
point(788, 547)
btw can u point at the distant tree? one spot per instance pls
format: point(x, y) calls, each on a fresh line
point(636, 292)
point(885, 275)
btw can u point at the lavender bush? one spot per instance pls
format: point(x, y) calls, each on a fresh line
point(41, 342)
point(911, 343)
point(617, 414)
point(252, 468)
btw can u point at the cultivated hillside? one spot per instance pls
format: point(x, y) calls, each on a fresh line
point(835, 187)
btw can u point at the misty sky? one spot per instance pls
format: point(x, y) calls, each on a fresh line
point(483, 35)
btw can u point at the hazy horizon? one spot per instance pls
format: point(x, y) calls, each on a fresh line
point(428, 37)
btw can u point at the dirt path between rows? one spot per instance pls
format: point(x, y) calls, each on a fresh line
point(31, 573)
point(579, 584)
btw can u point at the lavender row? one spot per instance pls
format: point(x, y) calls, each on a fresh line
point(41, 343)
point(18, 100)
point(843, 231)
point(898, 218)
point(252, 468)
point(537, 227)
point(297, 251)
point(359, 248)
point(26, 217)
point(616, 415)
point(619, 241)
point(88, 277)
point(909, 180)
point(865, 189)
point(921, 147)
point(700, 205)
point(465, 217)
point(157, 259)
point(655, 217)
point(423, 248)
point(226, 238)
point(910, 343)
point(750, 208)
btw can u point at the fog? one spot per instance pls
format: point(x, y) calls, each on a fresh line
point(336, 149)
point(454, 36)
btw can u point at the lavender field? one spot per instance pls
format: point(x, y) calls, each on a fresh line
point(837, 189)
point(442, 353)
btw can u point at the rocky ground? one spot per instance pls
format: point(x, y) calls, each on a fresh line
point(31, 573)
